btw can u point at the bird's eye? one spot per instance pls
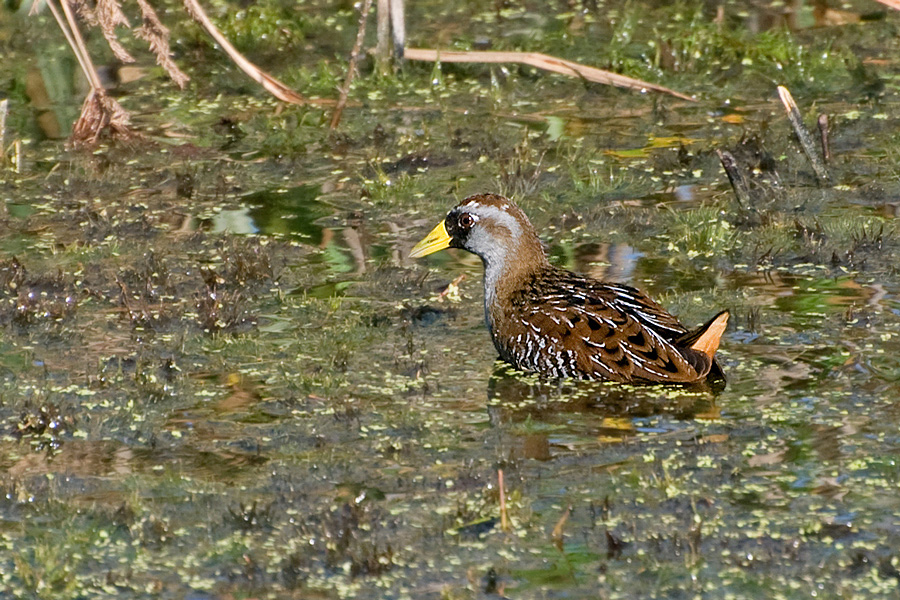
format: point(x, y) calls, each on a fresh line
point(466, 220)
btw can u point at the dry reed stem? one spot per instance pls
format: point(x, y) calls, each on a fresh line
point(92, 75)
point(80, 52)
point(272, 85)
point(540, 61)
point(351, 68)
point(383, 43)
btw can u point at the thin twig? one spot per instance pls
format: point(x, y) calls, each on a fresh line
point(351, 68)
point(17, 156)
point(540, 61)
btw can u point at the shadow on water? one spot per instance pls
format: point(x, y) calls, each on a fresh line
point(547, 417)
point(519, 396)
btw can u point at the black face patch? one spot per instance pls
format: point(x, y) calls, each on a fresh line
point(459, 224)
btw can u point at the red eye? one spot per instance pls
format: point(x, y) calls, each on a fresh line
point(466, 220)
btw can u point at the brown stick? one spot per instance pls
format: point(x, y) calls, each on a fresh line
point(351, 68)
point(540, 61)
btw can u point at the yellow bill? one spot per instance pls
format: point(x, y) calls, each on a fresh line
point(438, 239)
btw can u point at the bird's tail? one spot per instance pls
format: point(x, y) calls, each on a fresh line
point(699, 346)
point(708, 336)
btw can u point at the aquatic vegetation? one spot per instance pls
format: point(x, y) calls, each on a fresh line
point(221, 375)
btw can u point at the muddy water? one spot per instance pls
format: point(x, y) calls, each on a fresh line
point(221, 375)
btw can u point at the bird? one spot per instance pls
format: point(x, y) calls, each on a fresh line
point(547, 320)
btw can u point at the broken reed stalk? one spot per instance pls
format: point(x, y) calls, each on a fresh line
point(504, 520)
point(100, 113)
point(738, 182)
point(803, 135)
point(540, 61)
point(351, 68)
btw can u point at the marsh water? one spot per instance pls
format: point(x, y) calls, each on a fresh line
point(222, 377)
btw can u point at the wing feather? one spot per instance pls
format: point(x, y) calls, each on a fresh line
point(578, 327)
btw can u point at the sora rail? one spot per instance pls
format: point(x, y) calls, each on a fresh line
point(554, 322)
